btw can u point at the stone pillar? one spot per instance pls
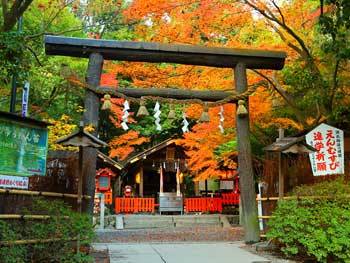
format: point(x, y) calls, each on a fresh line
point(245, 168)
point(92, 106)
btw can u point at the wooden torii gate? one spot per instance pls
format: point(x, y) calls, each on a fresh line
point(238, 59)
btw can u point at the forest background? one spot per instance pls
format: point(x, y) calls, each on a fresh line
point(313, 87)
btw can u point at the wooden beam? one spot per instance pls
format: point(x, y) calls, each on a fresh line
point(169, 53)
point(178, 94)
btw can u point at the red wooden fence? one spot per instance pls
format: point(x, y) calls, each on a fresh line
point(230, 199)
point(203, 204)
point(134, 205)
point(200, 204)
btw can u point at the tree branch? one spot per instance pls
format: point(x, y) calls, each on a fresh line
point(288, 99)
point(279, 11)
point(291, 45)
point(4, 9)
point(273, 18)
point(35, 55)
point(334, 86)
point(57, 13)
point(17, 9)
point(58, 33)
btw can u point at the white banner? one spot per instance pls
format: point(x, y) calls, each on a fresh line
point(25, 96)
point(329, 143)
point(19, 182)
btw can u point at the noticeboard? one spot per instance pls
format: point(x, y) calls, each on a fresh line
point(104, 182)
point(23, 148)
point(329, 143)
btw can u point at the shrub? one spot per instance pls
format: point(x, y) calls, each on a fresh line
point(317, 227)
point(64, 225)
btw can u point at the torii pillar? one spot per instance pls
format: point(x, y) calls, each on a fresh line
point(245, 168)
point(91, 117)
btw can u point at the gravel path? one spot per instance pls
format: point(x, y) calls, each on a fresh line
point(176, 234)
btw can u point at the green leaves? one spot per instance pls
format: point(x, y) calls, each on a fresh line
point(315, 227)
point(12, 53)
point(63, 224)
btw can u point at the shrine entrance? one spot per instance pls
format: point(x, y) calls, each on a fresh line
point(237, 59)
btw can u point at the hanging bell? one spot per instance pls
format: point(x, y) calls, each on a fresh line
point(241, 109)
point(107, 105)
point(171, 114)
point(142, 112)
point(205, 115)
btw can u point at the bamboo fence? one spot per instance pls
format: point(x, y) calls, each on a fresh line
point(51, 194)
point(34, 241)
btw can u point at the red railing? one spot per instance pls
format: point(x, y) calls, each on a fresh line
point(230, 199)
point(203, 204)
point(200, 204)
point(134, 205)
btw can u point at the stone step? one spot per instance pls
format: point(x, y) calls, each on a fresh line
point(201, 220)
point(141, 221)
point(167, 221)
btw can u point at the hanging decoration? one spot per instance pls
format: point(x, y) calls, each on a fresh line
point(107, 105)
point(221, 121)
point(178, 188)
point(125, 115)
point(241, 109)
point(205, 115)
point(185, 123)
point(233, 98)
point(142, 112)
point(238, 98)
point(156, 115)
point(171, 114)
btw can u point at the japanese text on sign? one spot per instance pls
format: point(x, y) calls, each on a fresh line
point(329, 143)
point(18, 182)
point(23, 149)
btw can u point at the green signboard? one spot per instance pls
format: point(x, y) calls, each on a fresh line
point(23, 148)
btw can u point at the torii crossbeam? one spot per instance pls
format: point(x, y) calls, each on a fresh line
point(238, 59)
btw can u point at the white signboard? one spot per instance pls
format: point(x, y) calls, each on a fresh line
point(19, 182)
point(329, 142)
point(226, 184)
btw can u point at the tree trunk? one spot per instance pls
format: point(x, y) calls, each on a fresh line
point(245, 168)
point(92, 105)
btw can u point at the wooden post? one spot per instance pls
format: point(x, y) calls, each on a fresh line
point(102, 211)
point(245, 168)
point(141, 181)
point(196, 188)
point(206, 187)
point(280, 168)
point(161, 180)
point(80, 180)
point(92, 105)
